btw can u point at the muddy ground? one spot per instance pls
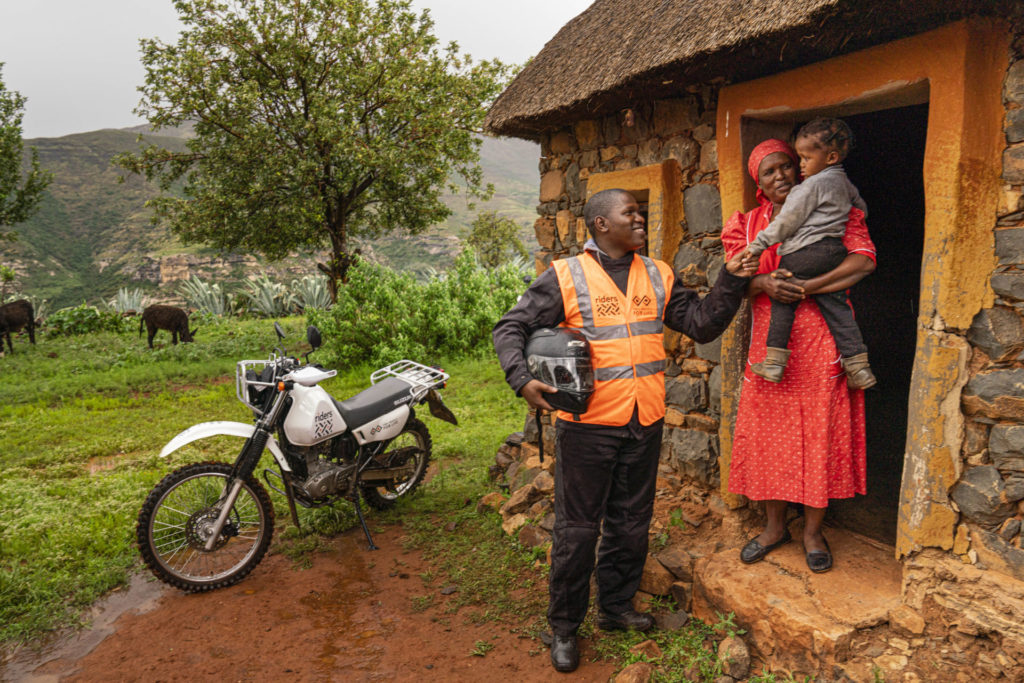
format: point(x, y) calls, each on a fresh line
point(351, 616)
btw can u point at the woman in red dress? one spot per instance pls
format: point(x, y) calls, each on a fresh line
point(801, 440)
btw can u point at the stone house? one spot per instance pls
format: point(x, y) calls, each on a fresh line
point(666, 99)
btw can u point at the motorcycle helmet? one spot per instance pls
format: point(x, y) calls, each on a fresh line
point(560, 357)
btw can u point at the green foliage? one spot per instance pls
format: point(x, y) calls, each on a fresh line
point(267, 298)
point(382, 316)
point(86, 319)
point(7, 275)
point(675, 518)
point(495, 239)
point(128, 300)
point(688, 655)
point(726, 625)
point(312, 291)
point(81, 423)
point(315, 122)
point(205, 297)
point(19, 197)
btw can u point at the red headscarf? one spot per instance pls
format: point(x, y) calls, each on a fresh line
point(769, 146)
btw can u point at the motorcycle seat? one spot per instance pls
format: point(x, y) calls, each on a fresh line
point(371, 403)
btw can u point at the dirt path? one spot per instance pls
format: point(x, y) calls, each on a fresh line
point(350, 617)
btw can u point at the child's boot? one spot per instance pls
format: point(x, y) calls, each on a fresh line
point(858, 372)
point(774, 364)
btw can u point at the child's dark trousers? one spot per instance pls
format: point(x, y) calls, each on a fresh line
point(811, 261)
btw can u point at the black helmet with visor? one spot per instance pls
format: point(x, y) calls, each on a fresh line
point(560, 357)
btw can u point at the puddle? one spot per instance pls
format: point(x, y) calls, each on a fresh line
point(58, 658)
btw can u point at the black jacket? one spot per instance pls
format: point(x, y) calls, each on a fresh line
point(541, 306)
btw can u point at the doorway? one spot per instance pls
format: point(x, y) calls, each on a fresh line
point(887, 166)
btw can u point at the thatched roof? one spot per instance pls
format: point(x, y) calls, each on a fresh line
point(648, 49)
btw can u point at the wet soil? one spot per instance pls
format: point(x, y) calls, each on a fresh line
point(351, 616)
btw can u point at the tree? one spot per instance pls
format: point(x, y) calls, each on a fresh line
point(495, 239)
point(315, 121)
point(19, 196)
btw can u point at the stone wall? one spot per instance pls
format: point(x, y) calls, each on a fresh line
point(681, 129)
point(990, 493)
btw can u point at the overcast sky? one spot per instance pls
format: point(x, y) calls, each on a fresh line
point(77, 61)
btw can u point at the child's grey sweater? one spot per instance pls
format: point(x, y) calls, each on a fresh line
point(815, 209)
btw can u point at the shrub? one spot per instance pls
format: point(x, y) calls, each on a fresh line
point(85, 319)
point(382, 316)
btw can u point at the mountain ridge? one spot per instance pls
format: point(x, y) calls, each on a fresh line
point(93, 232)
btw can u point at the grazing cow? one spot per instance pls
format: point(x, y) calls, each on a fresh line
point(170, 318)
point(13, 317)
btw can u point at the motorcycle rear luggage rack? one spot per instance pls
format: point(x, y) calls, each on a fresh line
point(422, 378)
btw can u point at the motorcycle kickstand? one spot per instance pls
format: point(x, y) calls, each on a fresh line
point(359, 513)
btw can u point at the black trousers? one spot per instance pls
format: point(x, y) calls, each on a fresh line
point(811, 261)
point(602, 475)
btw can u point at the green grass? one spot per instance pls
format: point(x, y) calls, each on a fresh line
point(83, 418)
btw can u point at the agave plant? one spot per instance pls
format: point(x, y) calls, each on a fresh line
point(267, 297)
point(127, 300)
point(312, 292)
point(204, 297)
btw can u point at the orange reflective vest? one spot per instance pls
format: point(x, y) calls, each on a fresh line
point(625, 335)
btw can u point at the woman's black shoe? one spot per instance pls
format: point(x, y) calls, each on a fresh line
point(819, 561)
point(564, 655)
point(754, 552)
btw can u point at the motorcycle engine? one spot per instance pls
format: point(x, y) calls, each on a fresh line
point(324, 477)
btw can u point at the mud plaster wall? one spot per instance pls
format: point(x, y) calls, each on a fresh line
point(967, 403)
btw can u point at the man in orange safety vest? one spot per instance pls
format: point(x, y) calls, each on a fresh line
point(607, 457)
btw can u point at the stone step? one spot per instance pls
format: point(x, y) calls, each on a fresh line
point(795, 619)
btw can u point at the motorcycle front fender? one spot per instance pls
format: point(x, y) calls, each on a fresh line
point(208, 429)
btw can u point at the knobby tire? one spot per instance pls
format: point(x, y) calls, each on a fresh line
point(384, 497)
point(177, 510)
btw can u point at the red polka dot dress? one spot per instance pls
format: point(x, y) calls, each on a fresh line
point(801, 440)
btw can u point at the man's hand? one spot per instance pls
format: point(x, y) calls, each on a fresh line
point(743, 264)
point(534, 390)
point(782, 287)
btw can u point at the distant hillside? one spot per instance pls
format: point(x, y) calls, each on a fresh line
point(93, 233)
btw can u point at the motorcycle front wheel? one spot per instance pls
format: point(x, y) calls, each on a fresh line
point(411, 449)
point(177, 518)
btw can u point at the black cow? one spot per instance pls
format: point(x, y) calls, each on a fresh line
point(15, 316)
point(170, 318)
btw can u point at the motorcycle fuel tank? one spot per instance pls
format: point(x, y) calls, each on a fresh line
point(313, 417)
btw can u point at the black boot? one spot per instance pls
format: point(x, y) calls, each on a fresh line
point(630, 620)
point(564, 655)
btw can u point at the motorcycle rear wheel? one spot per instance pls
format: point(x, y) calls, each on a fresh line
point(174, 525)
point(412, 443)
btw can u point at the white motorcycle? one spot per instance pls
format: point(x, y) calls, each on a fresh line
point(207, 525)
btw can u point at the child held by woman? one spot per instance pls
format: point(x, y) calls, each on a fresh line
point(810, 228)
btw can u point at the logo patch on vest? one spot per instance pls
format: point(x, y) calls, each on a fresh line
point(643, 306)
point(608, 305)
